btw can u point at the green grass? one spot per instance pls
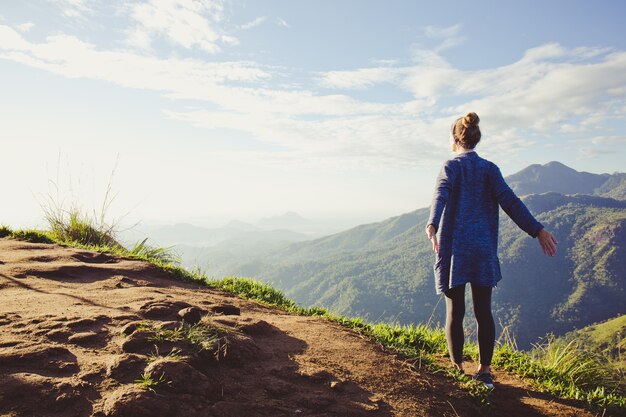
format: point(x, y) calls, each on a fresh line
point(173, 355)
point(602, 332)
point(5, 231)
point(164, 256)
point(147, 382)
point(562, 370)
point(73, 225)
point(33, 236)
point(200, 337)
point(607, 338)
point(554, 369)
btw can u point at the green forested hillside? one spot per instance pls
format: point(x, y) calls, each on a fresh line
point(607, 338)
point(384, 270)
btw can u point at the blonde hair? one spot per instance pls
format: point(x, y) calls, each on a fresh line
point(466, 131)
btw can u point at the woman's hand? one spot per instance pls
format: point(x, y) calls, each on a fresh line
point(547, 242)
point(432, 236)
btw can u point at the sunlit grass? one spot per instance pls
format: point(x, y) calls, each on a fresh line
point(150, 253)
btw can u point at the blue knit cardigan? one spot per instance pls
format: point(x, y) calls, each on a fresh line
point(467, 194)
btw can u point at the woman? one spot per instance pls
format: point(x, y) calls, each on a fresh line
point(470, 189)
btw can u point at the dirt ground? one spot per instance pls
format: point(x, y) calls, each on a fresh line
point(70, 346)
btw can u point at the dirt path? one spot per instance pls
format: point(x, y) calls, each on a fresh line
point(69, 346)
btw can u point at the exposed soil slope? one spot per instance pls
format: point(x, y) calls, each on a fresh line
point(71, 345)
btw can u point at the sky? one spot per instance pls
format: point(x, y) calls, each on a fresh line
point(204, 111)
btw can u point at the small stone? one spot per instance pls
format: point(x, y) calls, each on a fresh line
point(258, 328)
point(169, 325)
point(190, 315)
point(130, 328)
point(82, 323)
point(180, 377)
point(84, 338)
point(226, 309)
point(138, 342)
point(375, 399)
point(126, 367)
point(122, 282)
point(58, 335)
point(241, 349)
point(132, 401)
point(158, 312)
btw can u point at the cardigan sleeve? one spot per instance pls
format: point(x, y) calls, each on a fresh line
point(443, 187)
point(513, 206)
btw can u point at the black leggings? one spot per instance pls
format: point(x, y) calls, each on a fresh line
point(455, 311)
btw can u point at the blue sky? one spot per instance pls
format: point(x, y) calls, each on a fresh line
point(212, 110)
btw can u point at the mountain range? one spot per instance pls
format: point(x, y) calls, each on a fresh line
point(383, 271)
point(559, 178)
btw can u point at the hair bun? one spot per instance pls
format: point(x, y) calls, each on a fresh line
point(470, 120)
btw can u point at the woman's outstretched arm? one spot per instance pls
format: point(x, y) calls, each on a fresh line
point(519, 213)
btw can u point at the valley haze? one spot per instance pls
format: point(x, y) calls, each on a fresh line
point(383, 270)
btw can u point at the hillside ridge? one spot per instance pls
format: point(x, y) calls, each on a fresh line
point(79, 328)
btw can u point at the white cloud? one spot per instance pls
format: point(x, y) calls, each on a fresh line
point(253, 23)
point(229, 40)
point(449, 36)
point(74, 8)
point(340, 142)
point(385, 62)
point(71, 57)
point(360, 78)
point(442, 31)
point(590, 153)
point(281, 22)
point(138, 38)
point(549, 91)
point(186, 23)
point(25, 27)
point(177, 78)
point(609, 140)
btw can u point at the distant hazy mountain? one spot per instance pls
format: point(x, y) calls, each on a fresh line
point(234, 233)
point(239, 225)
point(289, 220)
point(614, 187)
point(186, 233)
point(556, 177)
point(384, 270)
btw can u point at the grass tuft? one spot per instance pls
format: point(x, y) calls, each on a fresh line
point(201, 337)
point(582, 368)
point(251, 289)
point(173, 355)
point(75, 226)
point(33, 236)
point(147, 382)
point(5, 231)
point(154, 254)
